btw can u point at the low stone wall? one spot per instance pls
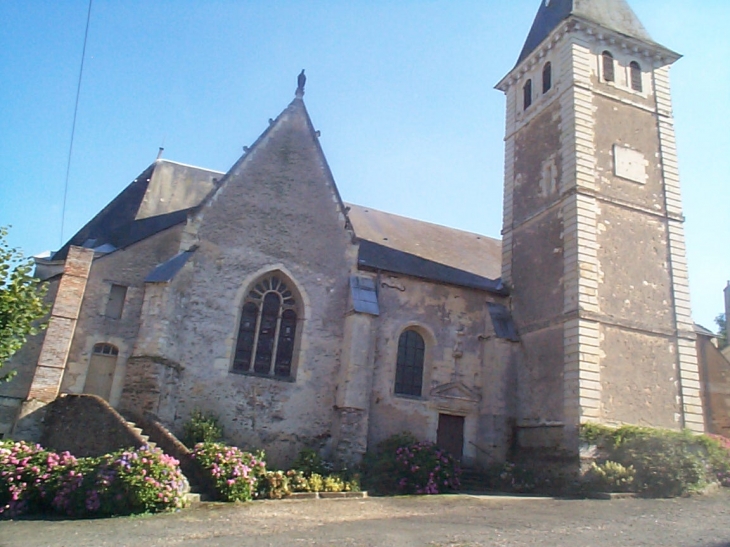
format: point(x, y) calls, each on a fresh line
point(86, 425)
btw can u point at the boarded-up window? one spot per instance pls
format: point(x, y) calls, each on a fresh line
point(608, 72)
point(115, 304)
point(409, 364)
point(547, 77)
point(364, 295)
point(267, 330)
point(504, 326)
point(527, 94)
point(636, 83)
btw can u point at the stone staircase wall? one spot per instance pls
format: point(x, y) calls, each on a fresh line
point(86, 425)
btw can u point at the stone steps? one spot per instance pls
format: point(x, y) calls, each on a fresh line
point(194, 495)
point(138, 431)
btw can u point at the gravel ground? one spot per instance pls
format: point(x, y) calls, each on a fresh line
point(433, 521)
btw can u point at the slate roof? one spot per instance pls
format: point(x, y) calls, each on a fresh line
point(614, 15)
point(169, 269)
point(373, 256)
point(167, 192)
point(131, 217)
point(472, 253)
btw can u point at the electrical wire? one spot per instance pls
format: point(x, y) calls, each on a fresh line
point(73, 125)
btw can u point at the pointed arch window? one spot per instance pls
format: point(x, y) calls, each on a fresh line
point(608, 69)
point(547, 77)
point(636, 83)
point(527, 94)
point(409, 364)
point(267, 329)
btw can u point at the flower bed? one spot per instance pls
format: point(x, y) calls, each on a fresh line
point(34, 480)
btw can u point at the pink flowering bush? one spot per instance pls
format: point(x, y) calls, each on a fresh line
point(234, 472)
point(122, 483)
point(33, 480)
point(26, 471)
point(424, 468)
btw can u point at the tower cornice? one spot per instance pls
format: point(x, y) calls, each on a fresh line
point(657, 54)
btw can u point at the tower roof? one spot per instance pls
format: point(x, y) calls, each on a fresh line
point(614, 15)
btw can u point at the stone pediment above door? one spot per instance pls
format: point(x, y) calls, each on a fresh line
point(455, 391)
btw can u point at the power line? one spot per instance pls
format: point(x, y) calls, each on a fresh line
point(73, 125)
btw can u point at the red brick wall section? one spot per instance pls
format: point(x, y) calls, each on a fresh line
point(86, 425)
point(61, 326)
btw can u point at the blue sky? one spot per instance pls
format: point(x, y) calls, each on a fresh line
point(401, 91)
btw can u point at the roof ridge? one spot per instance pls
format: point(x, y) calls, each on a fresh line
point(165, 160)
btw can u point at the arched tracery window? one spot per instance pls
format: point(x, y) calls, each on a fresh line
point(409, 364)
point(267, 330)
point(608, 71)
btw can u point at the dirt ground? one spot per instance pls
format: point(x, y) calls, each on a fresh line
point(433, 521)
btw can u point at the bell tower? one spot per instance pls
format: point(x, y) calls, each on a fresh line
point(593, 237)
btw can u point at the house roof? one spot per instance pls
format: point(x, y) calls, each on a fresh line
point(472, 253)
point(614, 15)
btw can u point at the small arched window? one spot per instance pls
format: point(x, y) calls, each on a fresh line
point(608, 71)
point(547, 77)
point(636, 84)
point(106, 349)
point(267, 330)
point(527, 94)
point(409, 364)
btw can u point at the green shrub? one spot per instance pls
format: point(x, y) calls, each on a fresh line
point(333, 483)
point(402, 465)
point(297, 481)
point(611, 477)
point(380, 470)
point(665, 463)
point(201, 428)
point(309, 461)
point(273, 485)
point(509, 477)
point(316, 483)
point(234, 473)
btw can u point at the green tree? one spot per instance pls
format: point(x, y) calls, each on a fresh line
point(721, 331)
point(22, 307)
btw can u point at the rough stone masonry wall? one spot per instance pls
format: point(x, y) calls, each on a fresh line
point(276, 210)
point(461, 352)
point(127, 267)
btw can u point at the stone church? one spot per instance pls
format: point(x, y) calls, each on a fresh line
point(304, 321)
